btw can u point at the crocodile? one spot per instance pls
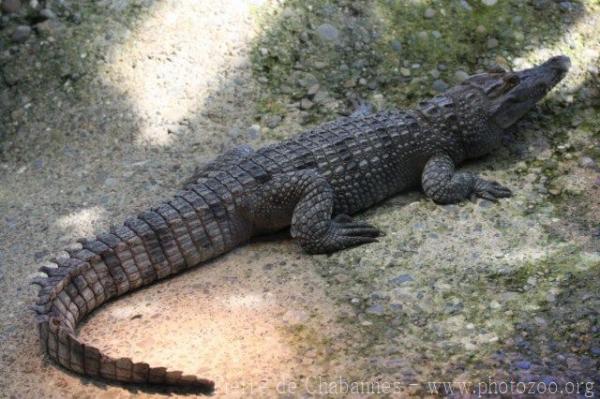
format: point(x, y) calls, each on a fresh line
point(310, 183)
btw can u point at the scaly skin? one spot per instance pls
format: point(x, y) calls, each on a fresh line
point(310, 183)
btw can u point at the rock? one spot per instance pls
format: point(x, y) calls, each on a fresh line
point(234, 132)
point(307, 80)
point(492, 43)
point(465, 5)
point(21, 34)
point(376, 309)
point(480, 29)
point(460, 76)
point(523, 364)
point(47, 14)
point(49, 27)
point(519, 36)
point(350, 83)
point(489, 3)
point(566, 6)
point(587, 162)
point(254, 132)
point(312, 90)
point(434, 73)
point(10, 6)
point(405, 72)
point(111, 182)
point(540, 4)
point(423, 35)
point(272, 121)
point(306, 103)
point(401, 279)
point(321, 97)
point(436, 34)
point(429, 13)
point(396, 45)
point(327, 32)
point(440, 86)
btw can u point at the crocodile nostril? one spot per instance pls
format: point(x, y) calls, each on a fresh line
point(561, 62)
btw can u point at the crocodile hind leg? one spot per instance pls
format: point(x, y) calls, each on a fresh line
point(444, 185)
point(304, 200)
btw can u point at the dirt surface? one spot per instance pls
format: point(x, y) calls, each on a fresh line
point(108, 106)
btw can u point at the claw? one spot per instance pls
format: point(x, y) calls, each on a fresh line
point(343, 218)
point(354, 241)
point(491, 190)
point(359, 232)
point(486, 195)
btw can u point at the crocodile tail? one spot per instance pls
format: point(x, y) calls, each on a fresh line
point(156, 244)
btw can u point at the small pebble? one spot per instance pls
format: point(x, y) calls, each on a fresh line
point(273, 121)
point(254, 132)
point(396, 45)
point(21, 33)
point(327, 32)
point(429, 13)
point(376, 309)
point(465, 5)
point(401, 279)
point(587, 162)
point(440, 86)
point(47, 14)
point(312, 90)
point(460, 76)
point(489, 3)
point(492, 43)
point(523, 364)
point(306, 103)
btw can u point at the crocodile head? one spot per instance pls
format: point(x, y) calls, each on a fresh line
point(512, 94)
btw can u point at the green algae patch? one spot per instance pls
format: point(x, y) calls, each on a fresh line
point(324, 58)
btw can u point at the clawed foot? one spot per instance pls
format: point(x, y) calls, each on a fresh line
point(490, 190)
point(345, 232)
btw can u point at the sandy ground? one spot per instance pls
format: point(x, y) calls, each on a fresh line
point(104, 117)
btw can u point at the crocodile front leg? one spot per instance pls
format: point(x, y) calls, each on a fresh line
point(304, 200)
point(444, 185)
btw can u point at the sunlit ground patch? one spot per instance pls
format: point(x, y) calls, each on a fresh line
point(81, 223)
point(172, 60)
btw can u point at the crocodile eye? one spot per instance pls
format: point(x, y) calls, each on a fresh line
point(512, 79)
point(496, 69)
